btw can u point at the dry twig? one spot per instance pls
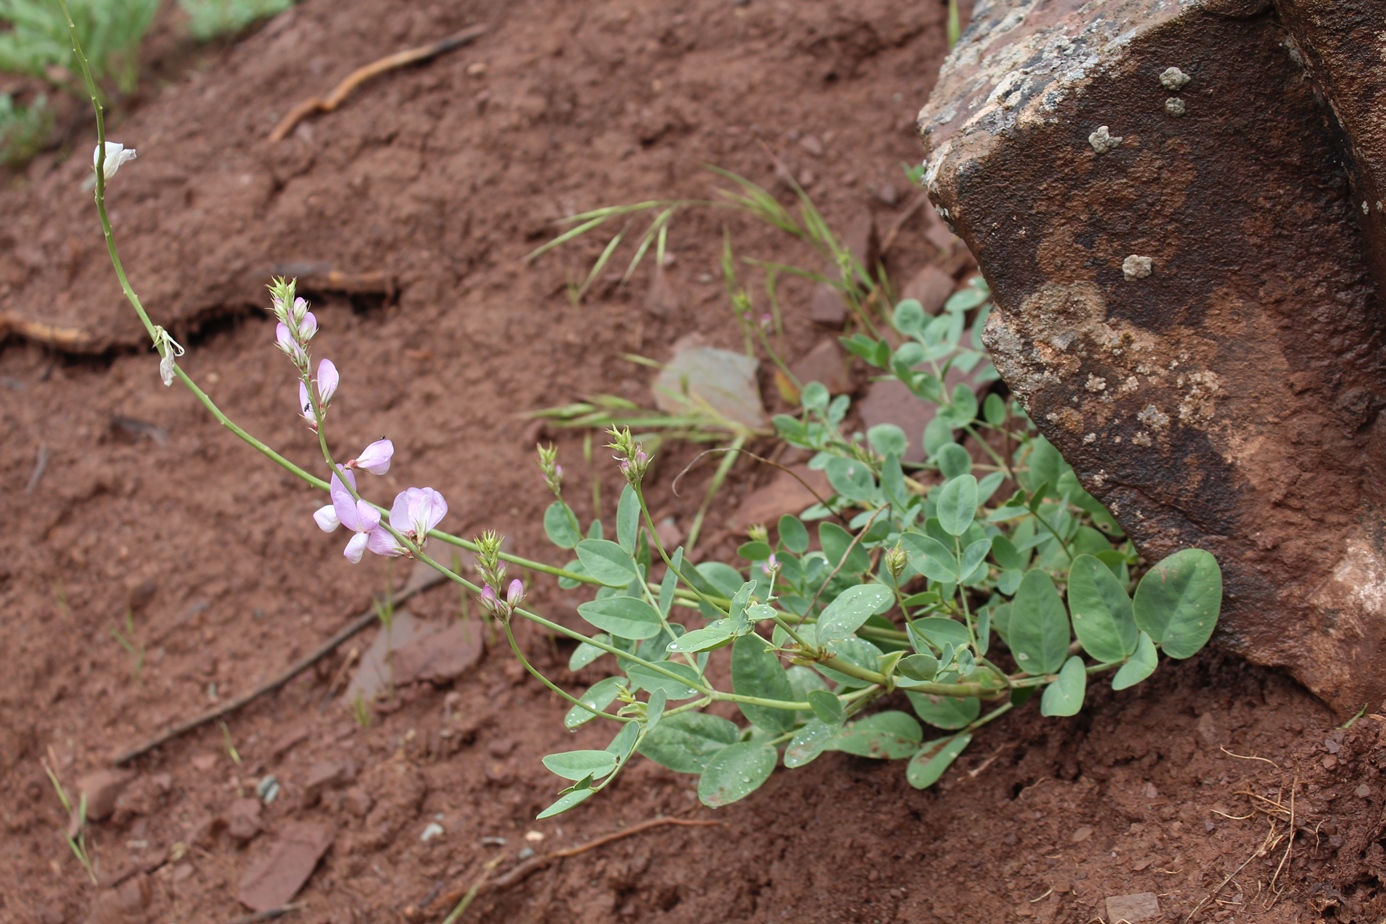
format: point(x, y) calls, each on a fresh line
point(365, 619)
point(531, 866)
point(362, 74)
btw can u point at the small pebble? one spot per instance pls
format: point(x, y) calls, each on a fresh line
point(1174, 106)
point(267, 789)
point(1136, 267)
point(1172, 78)
point(431, 831)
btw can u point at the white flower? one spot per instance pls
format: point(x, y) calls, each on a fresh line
point(116, 154)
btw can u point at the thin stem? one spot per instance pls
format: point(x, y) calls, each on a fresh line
point(515, 647)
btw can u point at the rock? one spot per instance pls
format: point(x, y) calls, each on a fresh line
point(827, 307)
point(662, 300)
point(501, 747)
point(243, 819)
point(1133, 908)
point(782, 494)
point(812, 144)
point(889, 401)
point(373, 675)
point(442, 656)
point(669, 533)
point(276, 879)
point(325, 775)
point(700, 375)
point(930, 287)
point(102, 788)
point(1222, 267)
point(824, 363)
point(357, 802)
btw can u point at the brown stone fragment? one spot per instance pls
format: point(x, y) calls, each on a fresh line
point(102, 788)
point(930, 287)
point(827, 307)
point(1193, 316)
point(325, 775)
point(441, 656)
point(243, 819)
point(825, 363)
point(783, 494)
point(1133, 908)
point(276, 879)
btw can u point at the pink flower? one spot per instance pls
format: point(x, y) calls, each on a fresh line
point(416, 511)
point(305, 406)
point(514, 593)
point(326, 381)
point(356, 515)
point(375, 458)
point(284, 338)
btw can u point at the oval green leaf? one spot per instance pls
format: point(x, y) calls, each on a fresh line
point(1065, 696)
point(826, 706)
point(757, 671)
point(931, 760)
point(1178, 600)
point(577, 765)
point(558, 526)
point(686, 741)
point(884, 736)
point(626, 617)
point(600, 695)
point(1141, 665)
point(1038, 627)
point(811, 741)
point(851, 609)
point(1102, 615)
point(957, 504)
point(735, 772)
point(946, 712)
point(607, 562)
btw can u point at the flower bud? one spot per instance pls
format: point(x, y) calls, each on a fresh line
point(895, 561)
point(757, 532)
point(375, 458)
point(327, 381)
point(514, 593)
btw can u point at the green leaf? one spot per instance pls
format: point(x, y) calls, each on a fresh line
point(642, 678)
point(973, 556)
point(836, 541)
point(947, 712)
point(793, 534)
point(939, 631)
point(953, 460)
point(964, 403)
point(1038, 629)
point(566, 801)
point(668, 585)
point(937, 434)
point(1065, 695)
point(584, 654)
point(887, 438)
point(909, 317)
point(957, 504)
point(709, 637)
point(889, 735)
point(933, 758)
point(754, 551)
point(1178, 600)
point(920, 667)
point(624, 617)
point(735, 772)
point(851, 478)
point(558, 525)
point(851, 609)
point(600, 695)
point(930, 558)
point(1141, 665)
point(811, 741)
point(686, 741)
point(607, 562)
point(1006, 555)
point(623, 745)
point(826, 706)
point(1044, 465)
point(757, 671)
point(654, 709)
point(577, 765)
point(994, 410)
point(1102, 617)
point(855, 651)
point(627, 519)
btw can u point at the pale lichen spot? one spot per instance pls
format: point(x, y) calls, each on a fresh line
point(1173, 79)
point(1136, 267)
point(1174, 106)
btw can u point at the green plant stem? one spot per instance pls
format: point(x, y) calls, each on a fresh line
point(515, 647)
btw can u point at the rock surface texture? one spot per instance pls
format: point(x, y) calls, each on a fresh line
point(1179, 208)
